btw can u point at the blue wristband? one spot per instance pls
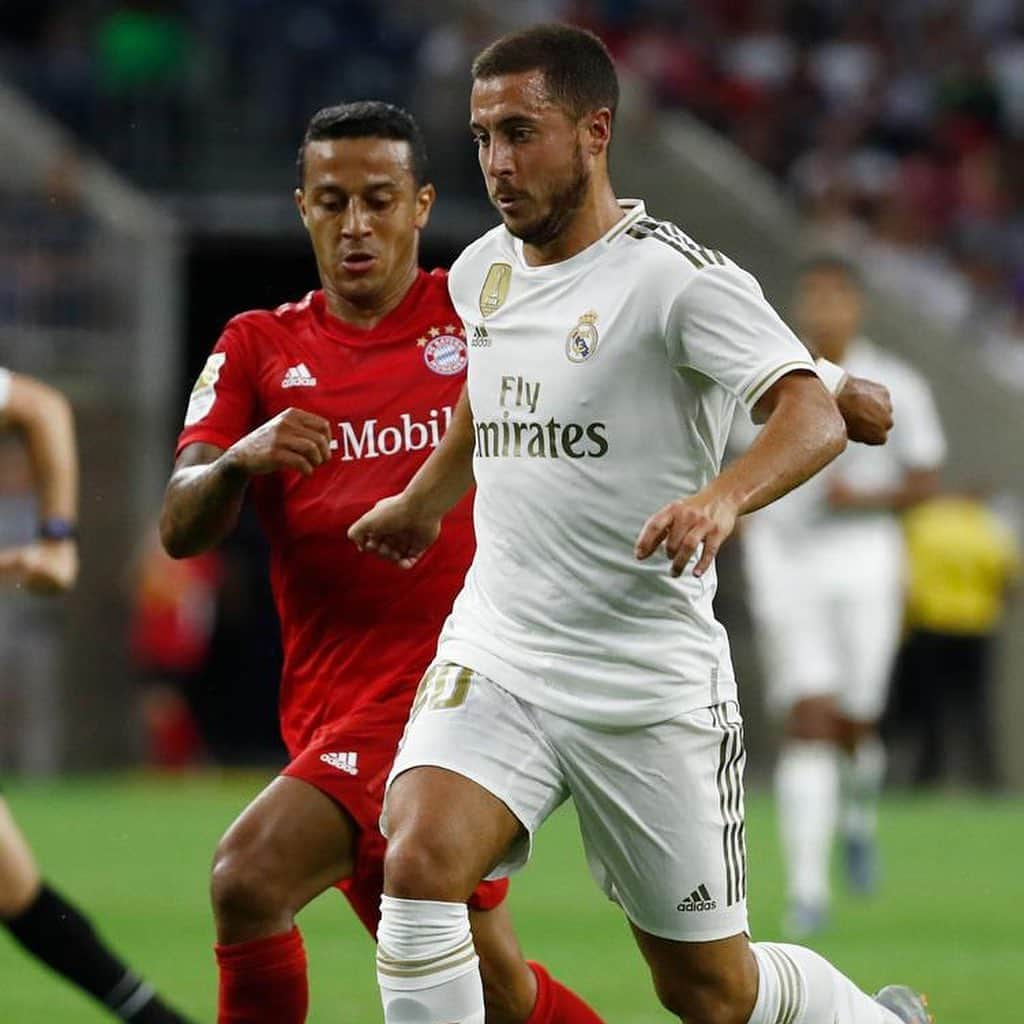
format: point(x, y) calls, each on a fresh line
point(57, 529)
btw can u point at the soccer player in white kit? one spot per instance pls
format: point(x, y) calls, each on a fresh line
point(607, 353)
point(826, 572)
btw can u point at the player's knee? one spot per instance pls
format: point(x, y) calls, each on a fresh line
point(424, 867)
point(242, 884)
point(16, 896)
point(813, 719)
point(725, 997)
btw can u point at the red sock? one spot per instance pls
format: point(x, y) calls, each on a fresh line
point(556, 1004)
point(263, 981)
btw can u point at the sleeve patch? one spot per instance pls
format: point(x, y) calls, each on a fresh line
point(204, 394)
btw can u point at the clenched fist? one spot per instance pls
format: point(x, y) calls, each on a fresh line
point(867, 410)
point(396, 529)
point(293, 439)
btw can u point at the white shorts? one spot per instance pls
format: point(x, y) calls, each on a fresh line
point(660, 807)
point(828, 620)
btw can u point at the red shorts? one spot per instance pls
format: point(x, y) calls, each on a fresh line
point(349, 760)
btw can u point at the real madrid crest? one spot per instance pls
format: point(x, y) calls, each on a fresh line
point(583, 339)
point(495, 289)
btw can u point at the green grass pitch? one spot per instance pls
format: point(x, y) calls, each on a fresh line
point(134, 852)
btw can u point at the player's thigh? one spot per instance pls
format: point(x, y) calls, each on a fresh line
point(813, 718)
point(19, 876)
point(795, 640)
point(700, 978)
point(870, 622)
point(292, 842)
point(661, 815)
point(473, 778)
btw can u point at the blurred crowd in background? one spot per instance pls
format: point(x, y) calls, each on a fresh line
point(899, 127)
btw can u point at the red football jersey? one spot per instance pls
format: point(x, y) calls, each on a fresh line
point(356, 630)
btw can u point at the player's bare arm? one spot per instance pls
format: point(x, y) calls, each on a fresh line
point(205, 492)
point(803, 432)
point(400, 528)
point(43, 415)
point(866, 408)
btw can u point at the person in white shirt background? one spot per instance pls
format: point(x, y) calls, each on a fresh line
point(826, 569)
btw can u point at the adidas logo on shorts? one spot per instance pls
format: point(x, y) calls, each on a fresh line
point(699, 899)
point(343, 762)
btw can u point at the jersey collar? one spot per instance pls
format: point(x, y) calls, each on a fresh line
point(634, 209)
point(395, 324)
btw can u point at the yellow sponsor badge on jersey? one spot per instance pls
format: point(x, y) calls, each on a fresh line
point(495, 289)
point(204, 394)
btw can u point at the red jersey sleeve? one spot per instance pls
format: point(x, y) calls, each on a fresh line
point(221, 408)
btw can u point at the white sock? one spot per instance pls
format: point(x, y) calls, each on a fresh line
point(796, 986)
point(865, 772)
point(807, 792)
point(427, 968)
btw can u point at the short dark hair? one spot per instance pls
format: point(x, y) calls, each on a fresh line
point(834, 263)
point(578, 69)
point(367, 119)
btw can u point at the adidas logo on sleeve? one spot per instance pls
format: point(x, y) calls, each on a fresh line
point(699, 899)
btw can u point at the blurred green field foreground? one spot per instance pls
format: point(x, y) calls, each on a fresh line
point(135, 853)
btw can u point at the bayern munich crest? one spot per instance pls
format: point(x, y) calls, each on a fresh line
point(444, 352)
point(583, 339)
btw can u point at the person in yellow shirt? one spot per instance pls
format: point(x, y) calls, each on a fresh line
point(963, 561)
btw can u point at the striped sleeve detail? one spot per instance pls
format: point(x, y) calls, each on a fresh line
point(667, 233)
point(757, 389)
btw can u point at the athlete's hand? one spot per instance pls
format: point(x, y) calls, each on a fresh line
point(395, 529)
point(45, 567)
point(293, 439)
point(683, 526)
point(867, 410)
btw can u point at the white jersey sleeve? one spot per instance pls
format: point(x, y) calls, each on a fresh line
point(722, 326)
point(832, 376)
point(5, 387)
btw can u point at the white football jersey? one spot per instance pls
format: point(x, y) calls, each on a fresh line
point(602, 387)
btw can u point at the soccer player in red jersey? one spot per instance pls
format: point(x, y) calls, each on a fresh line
point(320, 407)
